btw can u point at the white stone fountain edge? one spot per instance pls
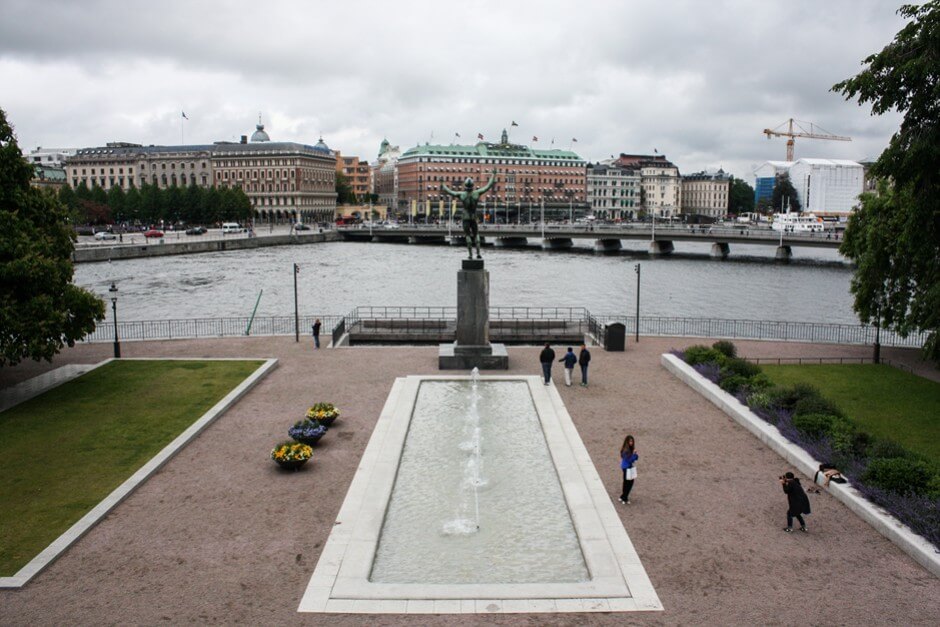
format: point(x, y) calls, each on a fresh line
point(340, 579)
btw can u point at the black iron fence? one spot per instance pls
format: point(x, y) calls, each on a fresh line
point(533, 319)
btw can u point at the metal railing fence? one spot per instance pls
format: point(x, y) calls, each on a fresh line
point(412, 317)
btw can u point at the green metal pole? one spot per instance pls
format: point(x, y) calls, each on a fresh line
point(253, 312)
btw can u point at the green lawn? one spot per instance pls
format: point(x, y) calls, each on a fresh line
point(65, 450)
point(882, 400)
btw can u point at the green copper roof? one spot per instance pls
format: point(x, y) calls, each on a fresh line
point(486, 150)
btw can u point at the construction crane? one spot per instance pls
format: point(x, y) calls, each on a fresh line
point(814, 132)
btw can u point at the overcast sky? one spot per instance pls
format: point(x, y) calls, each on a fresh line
point(697, 81)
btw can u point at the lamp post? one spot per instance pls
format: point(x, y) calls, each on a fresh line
point(113, 290)
point(637, 268)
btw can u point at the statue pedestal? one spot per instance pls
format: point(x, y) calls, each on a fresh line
point(473, 348)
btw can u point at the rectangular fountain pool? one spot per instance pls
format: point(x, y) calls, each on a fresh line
point(477, 499)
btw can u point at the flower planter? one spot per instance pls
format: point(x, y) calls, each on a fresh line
point(291, 464)
point(309, 440)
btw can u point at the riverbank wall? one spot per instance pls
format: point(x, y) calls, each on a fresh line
point(136, 251)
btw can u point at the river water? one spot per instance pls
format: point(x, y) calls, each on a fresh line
point(336, 277)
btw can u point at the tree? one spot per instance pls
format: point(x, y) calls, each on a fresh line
point(894, 238)
point(784, 196)
point(740, 197)
point(40, 309)
point(116, 198)
point(132, 204)
point(344, 193)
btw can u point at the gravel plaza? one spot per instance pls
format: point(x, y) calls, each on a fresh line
point(221, 535)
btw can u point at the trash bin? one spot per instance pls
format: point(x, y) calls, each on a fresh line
point(615, 339)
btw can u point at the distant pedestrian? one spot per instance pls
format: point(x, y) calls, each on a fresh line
point(546, 357)
point(316, 333)
point(584, 358)
point(797, 501)
point(628, 458)
point(570, 360)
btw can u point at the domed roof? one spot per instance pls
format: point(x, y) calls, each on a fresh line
point(259, 135)
point(322, 147)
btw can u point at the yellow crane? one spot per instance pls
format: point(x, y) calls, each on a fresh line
point(814, 132)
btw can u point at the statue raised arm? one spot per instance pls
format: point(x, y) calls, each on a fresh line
point(469, 202)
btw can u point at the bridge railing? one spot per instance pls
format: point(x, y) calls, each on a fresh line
point(572, 317)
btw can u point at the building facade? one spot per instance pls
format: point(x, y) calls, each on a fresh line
point(828, 187)
point(279, 178)
point(613, 193)
point(524, 178)
point(765, 177)
point(53, 157)
point(660, 186)
point(706, 194)
point(357, 173)
point(385, 175)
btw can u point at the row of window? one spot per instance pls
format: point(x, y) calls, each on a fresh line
point(556, 164)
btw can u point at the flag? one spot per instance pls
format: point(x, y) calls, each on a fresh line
point(655, 152)
point(480, 136)
point(456, 134)
point(296, 267)
point(534, 138)
point(574, 139)
point(184, 115)
point(513, 124)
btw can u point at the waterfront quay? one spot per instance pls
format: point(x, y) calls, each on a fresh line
point(606, 237)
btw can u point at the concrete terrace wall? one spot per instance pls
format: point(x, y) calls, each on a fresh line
point(132, 251)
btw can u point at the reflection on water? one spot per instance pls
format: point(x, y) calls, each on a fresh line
point(337, 277)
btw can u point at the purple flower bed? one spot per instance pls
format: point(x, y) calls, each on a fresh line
point(920, 513)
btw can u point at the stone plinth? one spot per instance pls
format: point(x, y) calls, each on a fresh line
point(473, 348)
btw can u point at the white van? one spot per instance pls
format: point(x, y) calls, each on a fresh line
point(231, 227)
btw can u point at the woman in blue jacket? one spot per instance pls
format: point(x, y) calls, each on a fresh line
point(628, 459)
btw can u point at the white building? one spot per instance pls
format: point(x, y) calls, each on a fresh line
point(827, 186)
point(54, 157)
point(613, 192)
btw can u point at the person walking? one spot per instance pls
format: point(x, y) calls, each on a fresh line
point(316, 333)
point(570, 360)
point(584, 358)
point(797, 501)
point(546, 357)
point(628, 458)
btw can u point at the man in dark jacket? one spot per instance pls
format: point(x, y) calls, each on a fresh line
point(570, 360)
point(584, 358)
point(546, 357)
point(797, 501)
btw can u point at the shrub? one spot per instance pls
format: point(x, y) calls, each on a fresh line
point(888, 449)
point(740, 367)
point(760, 381)
point(816, 405)
point(787, 397)
point(760, 399)
point(814, 425)
point(726, 348)
point(733, 383)
point(899, 475)
point(699, 354)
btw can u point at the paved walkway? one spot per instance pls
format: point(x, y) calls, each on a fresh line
point(220, 535)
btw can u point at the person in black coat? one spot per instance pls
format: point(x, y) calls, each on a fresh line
point(584, 358)
point(546, 357)
point(797, 501)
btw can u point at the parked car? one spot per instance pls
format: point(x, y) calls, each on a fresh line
point(300, 226)
point(196, 230)
point(232, 227)
point(103, 235)
point(153, 233)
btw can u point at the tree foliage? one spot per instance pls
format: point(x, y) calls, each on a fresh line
point(740, 197)
point(40, 309)
point(344, 192)
point(894, 237)
point(784, 195)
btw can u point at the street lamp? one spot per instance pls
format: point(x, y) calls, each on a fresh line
point(113, 290)
point(637, 268)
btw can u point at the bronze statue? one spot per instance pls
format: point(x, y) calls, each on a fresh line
point(469, 201)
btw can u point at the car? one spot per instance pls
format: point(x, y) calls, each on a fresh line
point(153, 233)
point(196, 230)
point(301, 227)
point(103, 235)
point(392, 225)
point(232, 227)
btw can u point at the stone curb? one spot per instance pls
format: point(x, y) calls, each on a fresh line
point(93, 517)
point(884, 523)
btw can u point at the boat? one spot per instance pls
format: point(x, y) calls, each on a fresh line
point(797, 223)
